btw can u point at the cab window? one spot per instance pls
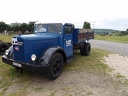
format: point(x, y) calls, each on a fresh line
point(68, 29)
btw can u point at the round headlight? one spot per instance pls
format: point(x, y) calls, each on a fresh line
point(7, 52)
point(33, 57)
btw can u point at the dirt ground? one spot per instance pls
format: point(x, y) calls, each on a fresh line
point(81, 83)
point(118, 63)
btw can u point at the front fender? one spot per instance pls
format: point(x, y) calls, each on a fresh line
point(10, 52)
point(49, 54)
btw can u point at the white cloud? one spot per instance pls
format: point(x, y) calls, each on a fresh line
point(75, 11)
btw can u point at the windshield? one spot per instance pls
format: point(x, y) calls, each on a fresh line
point(50, 27)
point(55, 27)
point(40, 28)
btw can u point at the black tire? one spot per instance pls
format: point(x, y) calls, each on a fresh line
point(81, 47)
point(3, 47)
point(9, 44)
point(87, 49)
point(56, 65)
point(20, 70)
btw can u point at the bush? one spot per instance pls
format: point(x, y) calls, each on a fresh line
point(11, 33)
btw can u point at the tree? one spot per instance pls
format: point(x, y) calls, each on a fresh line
point(31, 26)
point(124, 32)
point(86, 25)
point(9, 28)
point(3, 26)
point(127, 32)
point(16, 28)
point(23, 27)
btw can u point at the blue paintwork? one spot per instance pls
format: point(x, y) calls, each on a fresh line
point(75, 36)
point(39, 42)
point(34, 44)
point(68, 48)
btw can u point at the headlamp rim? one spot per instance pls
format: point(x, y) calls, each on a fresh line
point(33, 57)
point(7, 52)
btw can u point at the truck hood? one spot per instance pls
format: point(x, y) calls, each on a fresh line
point(37, 36)
point(33, 44)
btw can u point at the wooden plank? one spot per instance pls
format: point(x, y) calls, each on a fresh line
point(86, 30)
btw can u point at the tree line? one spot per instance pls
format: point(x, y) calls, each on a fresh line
point(26, 27)
point(23, 27)
point(123, 32)
point(86, 25)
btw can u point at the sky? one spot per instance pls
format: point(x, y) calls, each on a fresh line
point(104, 14)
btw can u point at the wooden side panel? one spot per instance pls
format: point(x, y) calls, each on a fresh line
point(86, 30)
point(86, 34)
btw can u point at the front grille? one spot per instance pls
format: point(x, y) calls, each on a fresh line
point(19, 52)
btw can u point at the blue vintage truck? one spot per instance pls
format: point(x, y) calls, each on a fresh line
point(49, 48)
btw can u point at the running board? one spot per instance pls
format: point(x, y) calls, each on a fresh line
point(70, 59)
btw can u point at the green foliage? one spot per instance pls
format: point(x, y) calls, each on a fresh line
point(23, 27)
point(123, 33)
point(86, 25)
point(3, 27)
point(31, 26)
point(16, 28)
point(126, 32)
point(9, 28)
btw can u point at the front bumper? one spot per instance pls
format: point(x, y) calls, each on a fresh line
point(25, 66)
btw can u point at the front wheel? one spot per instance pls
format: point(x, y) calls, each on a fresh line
point(56, 65)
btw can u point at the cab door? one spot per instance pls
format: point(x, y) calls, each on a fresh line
point(68, 40)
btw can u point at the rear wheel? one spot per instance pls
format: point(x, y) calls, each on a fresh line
point(87, 49)
point(56, 65)
point(81, 48)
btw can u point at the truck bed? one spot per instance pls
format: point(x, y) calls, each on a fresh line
point(86, 34)
point(82, 35)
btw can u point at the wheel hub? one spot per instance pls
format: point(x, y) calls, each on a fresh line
point(57, 66)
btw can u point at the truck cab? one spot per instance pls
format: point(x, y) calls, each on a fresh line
point(50, 46)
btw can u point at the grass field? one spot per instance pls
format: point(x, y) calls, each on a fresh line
point(121, 39)
point(6, 38)
point(10, 77)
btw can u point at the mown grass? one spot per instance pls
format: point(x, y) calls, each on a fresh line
point(121, 39)
point(6, 38)
point(9, 76)
point(89, 63)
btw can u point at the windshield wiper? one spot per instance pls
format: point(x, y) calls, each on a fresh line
point(58, 26)
point(37, 26)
